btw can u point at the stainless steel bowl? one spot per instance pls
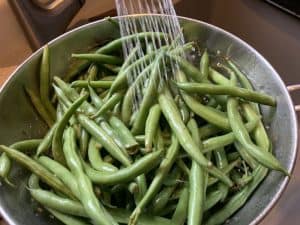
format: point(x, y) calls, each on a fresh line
point(19, 121)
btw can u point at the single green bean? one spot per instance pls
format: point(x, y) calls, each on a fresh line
point(204, 64)
point(94, 84)
point(37, 103)
point(212, 199)
point(126, 174)
point(57, 144)
point(99, 58)
point(180, 214)
point(83, 142)
point(109, 104)
point(228, 90)
point(243, 80)
point(208, 130)
point(148, 99)
point(60, 204)
point(95, 157)
point(45, 144)
point(5, 167)
point(152, 124)
point(217, 77)
point(45, 82)
point(197, 189)
point(28, 146)
point(66, 219)
point(124, 134)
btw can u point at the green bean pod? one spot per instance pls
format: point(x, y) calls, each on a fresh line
point(152, 124)
point(105, 84)
point(197, 184)
point(180, 214)
point(57, 144)
point(204, 64)
point(5, 167)
point(27, 146)
point(95, 157)
point(66, 219)
point(126, 174)
point(243, 93)
point(99, 58)
point(83, 142)
point(37, 103)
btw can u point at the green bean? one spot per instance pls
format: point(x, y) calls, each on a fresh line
point(94, 84)
point(37, 103)
point(181, 164)
point(226, 170)
point(45, 82)
point(126, 174)
point(83, 142)
point(172, 115)
point(124, 134)
point(142, 187)
point(109, 104)
point(189, 69)
point(127, 106)
point(66, 219)
point(57, 144)
point(108, 78)
point(212, 199)
point(156, 183)
point(5, 167)
point(197, 184)
point(87, 197)
point(149, 96)
point(245, 155)
point(263, 157)
point(243, 80)
point(184, 110)
point(152, 124)
point(59, 111)
point(208, 130)
point(60, 204)
point(96, 100)
point(208, 113)
point(38, 169)
point(161, 200)
point(240, 181)
point(105, 140)
point(233, 156)
point(180, 213)
point(61, 172)
point(204, 64)
point(99, 58)
point(222, 162)
point(95, 158)
point(260, 134)
point(218, 78)
point(28, 146)
point(224, 140)
point(228, 90)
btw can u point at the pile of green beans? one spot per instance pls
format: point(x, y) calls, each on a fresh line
point(192, 152)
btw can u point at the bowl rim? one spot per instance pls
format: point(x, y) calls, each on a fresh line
point(290, 103)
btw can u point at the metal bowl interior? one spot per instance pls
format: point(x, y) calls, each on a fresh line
point(19, 121)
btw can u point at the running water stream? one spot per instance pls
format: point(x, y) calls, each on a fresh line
point(148, 16)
